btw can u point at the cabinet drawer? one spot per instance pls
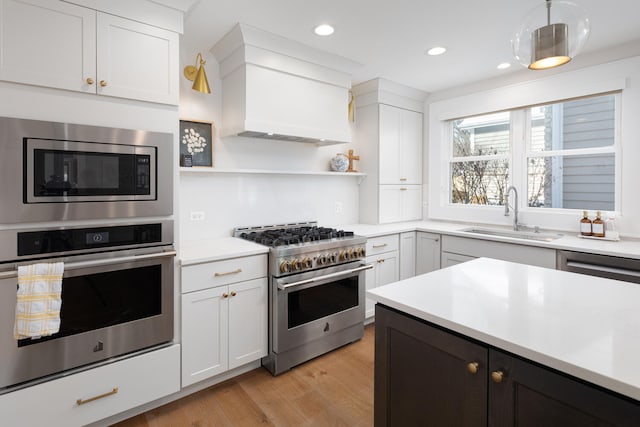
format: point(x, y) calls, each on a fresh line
point(378, 245)
point(207, 275)
point(138, 380)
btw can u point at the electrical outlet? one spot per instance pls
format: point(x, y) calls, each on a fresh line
point(338, 207)
point(196, 215)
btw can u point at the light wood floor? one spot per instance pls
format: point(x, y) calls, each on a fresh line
point(332, 390)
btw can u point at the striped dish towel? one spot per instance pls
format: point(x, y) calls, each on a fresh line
point(39, 300)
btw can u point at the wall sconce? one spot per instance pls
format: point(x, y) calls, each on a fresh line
point(197, 75)
point(538, 44)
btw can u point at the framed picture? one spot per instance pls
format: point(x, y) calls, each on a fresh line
point(196, 143)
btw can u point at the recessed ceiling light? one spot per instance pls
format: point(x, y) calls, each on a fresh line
point(436, 51)
point(504, 65)
point(324, 30)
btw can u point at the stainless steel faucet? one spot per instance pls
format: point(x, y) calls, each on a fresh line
point(514, 207)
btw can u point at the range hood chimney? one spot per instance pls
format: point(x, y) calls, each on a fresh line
point(277, 88)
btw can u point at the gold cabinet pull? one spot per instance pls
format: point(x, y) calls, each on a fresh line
point(472, 367)
point(497, 376)
point(90, 81)
point(103, 83)
point(379, 246)
point(403, 179)
point(233, 293)
point(225, 295)
point(403, 188)
point(380, 261)
point(236, 271)
point(100, 396)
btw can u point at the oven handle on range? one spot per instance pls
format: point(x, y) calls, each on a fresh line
point(282, 287)
point(100, 262)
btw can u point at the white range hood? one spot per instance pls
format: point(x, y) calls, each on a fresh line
point(277, 88)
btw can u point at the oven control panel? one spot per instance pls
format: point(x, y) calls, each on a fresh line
point(318, 259)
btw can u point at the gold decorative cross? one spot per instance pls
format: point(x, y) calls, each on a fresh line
point(351, 158)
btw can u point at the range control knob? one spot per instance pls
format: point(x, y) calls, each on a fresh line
point(333, 258)
point(295, 264)
point(306, 262)
point(285, 266)
point(344, 256)
point(322, 260)
point(360, 252)
point(352, 253)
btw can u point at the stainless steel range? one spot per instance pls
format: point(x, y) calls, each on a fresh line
point(316, 295)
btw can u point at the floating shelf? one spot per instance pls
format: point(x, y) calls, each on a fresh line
point(205, 170)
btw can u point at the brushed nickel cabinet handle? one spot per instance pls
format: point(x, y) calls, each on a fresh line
point(100, 396)
point(236, 271)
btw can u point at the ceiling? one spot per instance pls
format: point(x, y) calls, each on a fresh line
point(389, 38)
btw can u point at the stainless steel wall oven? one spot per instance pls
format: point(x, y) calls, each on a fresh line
point(117, 296)
point(75, 172)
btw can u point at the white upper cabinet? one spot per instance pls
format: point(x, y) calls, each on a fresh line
point(400, 146)
point(136, 61)
point(64, 46)
point(47, 43)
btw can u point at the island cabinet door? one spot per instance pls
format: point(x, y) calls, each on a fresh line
point(524, 394)
point(425, 376)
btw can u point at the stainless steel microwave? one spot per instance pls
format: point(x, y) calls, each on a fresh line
point(60, 171)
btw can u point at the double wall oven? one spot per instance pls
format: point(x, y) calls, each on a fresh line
point(316, 291)
point(100, 201)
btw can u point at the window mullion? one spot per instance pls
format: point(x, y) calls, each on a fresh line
point(520, 137)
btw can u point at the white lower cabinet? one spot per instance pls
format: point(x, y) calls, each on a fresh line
point(384, 256)
point(407, 255)
point(223, 326)
point(460, 249)
point(95, 394)
point(427, 252)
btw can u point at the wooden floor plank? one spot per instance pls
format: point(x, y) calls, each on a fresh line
point(335, 389)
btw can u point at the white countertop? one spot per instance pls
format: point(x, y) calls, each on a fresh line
point(196, 252)
point(585, 326)
point(626, 247)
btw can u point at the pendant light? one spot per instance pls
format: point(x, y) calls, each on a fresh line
point(551, 35)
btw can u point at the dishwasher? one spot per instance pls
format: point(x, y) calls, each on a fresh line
point(610, 267)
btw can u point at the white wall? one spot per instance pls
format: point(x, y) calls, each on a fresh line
point(529, 88)
point(235, 200)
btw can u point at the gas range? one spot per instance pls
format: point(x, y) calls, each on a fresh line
point(300, 247)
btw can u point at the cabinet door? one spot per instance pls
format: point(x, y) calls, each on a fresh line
point(389, 150)
point(411, 148)
point(47, 43)
point(385, 270)
point(204, 334)
point(136, 60)
point(448, 259)
point(407, 255)
point(390, 204)
point(422, 375)
point(247, 322)
point(427, 252)
point(411, 199)
point(530, 395)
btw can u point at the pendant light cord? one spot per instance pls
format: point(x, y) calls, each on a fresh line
point(548, 12)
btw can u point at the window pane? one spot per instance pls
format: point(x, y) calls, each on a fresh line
point(481, 135)
point(572, 182)
point(583, 123)
point(481, 182)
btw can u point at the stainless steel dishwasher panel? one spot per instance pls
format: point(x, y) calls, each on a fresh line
point(610, 267)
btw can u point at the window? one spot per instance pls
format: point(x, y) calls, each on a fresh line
point(569, 155)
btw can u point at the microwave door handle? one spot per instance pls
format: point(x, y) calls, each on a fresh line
point(98, 262)
point(283, 287)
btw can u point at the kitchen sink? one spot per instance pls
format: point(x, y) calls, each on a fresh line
point(532, 234)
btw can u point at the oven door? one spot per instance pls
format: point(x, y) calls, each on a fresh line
point(70, 171)
point(313, 304)
point(112, 304)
